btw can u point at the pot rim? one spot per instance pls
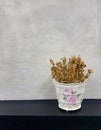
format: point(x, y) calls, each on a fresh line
point(69, 84)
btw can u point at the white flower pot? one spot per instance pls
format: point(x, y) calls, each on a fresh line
point(69, 96)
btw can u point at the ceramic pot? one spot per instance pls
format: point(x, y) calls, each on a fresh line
point(69, 96)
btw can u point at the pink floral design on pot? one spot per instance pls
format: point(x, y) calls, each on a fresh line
point(71, 99)
point(67, 91)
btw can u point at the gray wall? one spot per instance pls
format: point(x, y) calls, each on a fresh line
point(33, 31)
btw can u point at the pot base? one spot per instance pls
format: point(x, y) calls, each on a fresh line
point(69, 107)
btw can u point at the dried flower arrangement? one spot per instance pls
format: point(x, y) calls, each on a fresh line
point(72, 71)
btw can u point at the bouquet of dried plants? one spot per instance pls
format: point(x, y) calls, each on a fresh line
point(71, 71)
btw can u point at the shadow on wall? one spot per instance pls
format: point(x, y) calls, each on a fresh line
point(48, 89)
point(93, 88)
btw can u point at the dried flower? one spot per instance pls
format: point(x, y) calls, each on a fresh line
point(52, 62)
point(71, 71)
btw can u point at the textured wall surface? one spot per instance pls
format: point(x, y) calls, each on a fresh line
point(33, 31)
